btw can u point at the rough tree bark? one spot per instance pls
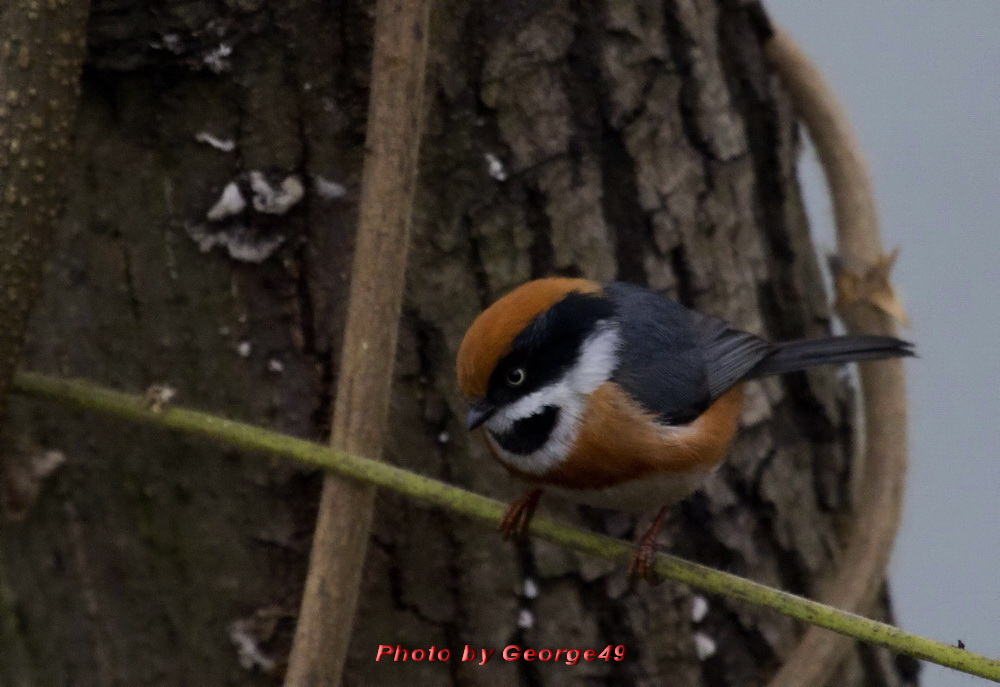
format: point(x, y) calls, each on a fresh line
point(640, 140)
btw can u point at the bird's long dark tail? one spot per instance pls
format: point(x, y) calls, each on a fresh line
point(805, 353)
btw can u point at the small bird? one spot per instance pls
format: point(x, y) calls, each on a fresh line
point(616, 396)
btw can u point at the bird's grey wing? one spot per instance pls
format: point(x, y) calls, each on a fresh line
point(660, 363)
point(730, 354)
point(673, 360)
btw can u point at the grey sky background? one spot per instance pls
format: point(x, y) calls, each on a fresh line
point(921, 81)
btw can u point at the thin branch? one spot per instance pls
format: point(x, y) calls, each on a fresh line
point(364, 376)
point(91, 397)
point(43, 50)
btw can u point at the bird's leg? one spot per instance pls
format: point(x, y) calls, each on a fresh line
point(518, 516)
point(642, 559)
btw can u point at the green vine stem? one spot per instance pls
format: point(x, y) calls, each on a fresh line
point(91, 397)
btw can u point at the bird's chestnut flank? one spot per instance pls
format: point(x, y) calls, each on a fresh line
point(616, 396)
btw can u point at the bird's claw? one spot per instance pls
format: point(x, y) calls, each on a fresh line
point(641, 565)
point(518, 516)
point(645, 549)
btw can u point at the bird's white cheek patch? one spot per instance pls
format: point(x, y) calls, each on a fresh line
point(553, 395)
point(552, 452)
point(597, 360)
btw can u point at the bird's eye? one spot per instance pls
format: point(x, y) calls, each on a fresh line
point(516, 376)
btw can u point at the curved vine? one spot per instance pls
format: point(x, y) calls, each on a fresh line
point(862, 263)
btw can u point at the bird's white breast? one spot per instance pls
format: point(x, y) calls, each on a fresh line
point(638, 496)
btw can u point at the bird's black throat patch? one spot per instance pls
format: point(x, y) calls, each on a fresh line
point(529, 434)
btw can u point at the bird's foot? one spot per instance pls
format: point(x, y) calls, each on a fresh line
point(518, 516)
point(645, 549)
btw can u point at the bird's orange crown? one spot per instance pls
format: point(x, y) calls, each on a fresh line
point(492, 334)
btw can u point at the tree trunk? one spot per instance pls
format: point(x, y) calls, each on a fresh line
point(641, 141)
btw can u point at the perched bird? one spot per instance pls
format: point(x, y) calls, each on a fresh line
point(616, 396)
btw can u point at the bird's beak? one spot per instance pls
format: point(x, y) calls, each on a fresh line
point(479, 413)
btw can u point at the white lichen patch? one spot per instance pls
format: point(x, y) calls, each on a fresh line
point(244, 349)
point(245, 218)
point(444, 438)
point(206, 241)
point(704, 646)
point(159, 396)
point(47, 462)
point(226, 145)
point(230, 202)
point(495, 167)
point(530, 588)
point(328, 190)
point(171, 42)
point(253, 251)
point(241, 244)
point(271, 200)
point(525, 619)
point(275, 366)
point(248, 649)
point(26, 468)
point(262, 190)
point(699, 608)
point(217, 59)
